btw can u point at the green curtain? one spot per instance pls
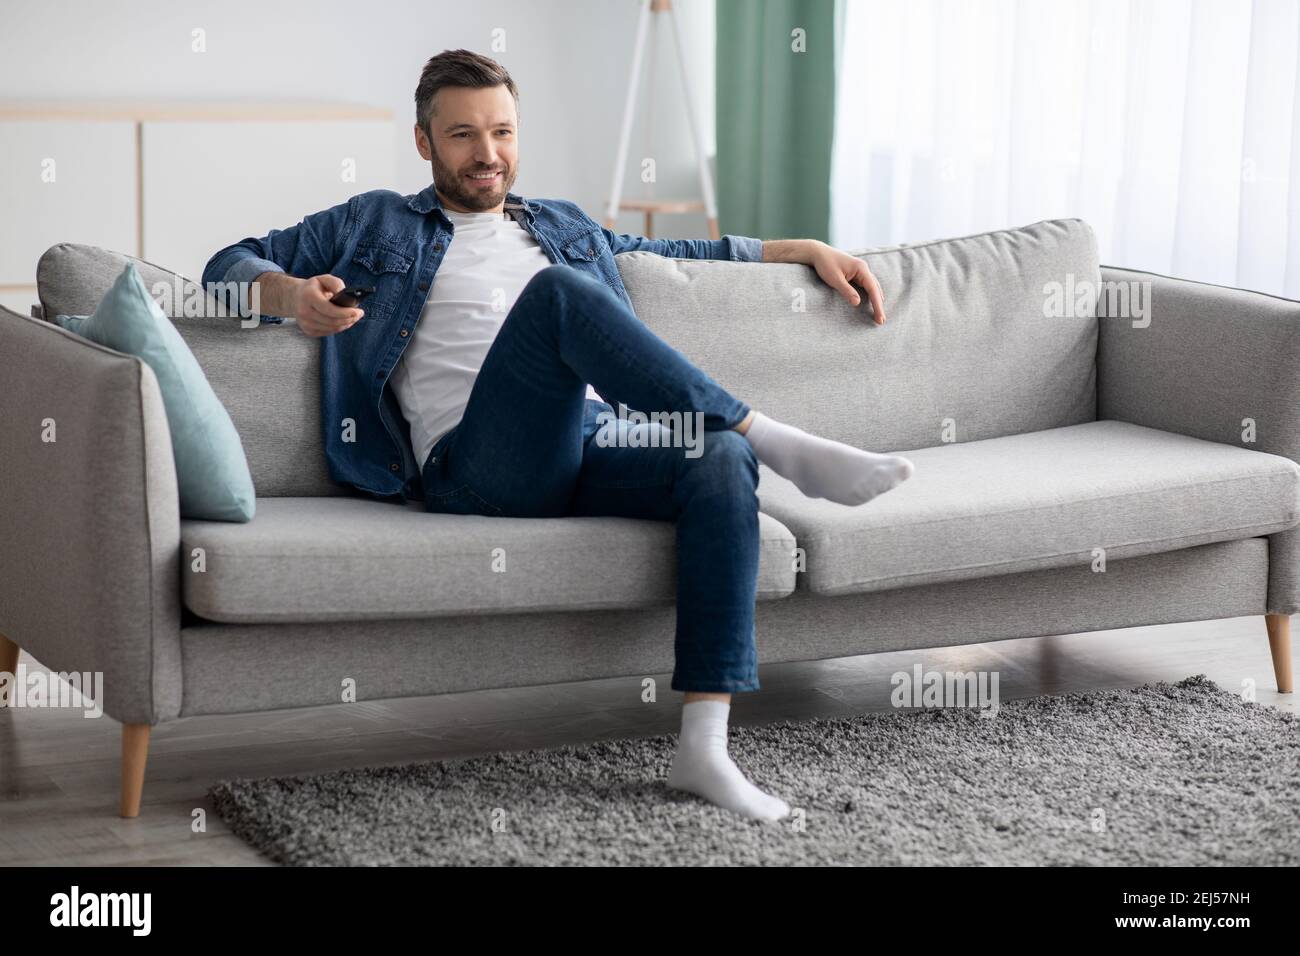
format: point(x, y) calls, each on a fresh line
point(775, 117)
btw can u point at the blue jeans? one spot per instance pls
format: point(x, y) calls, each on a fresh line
point(528, 446)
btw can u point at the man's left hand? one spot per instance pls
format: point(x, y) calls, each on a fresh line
point(841, 272)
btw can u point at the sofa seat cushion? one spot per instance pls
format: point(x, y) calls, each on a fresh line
point(352, 559)
point(1038, 500)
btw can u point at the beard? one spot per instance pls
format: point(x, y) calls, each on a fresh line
point(454, 186)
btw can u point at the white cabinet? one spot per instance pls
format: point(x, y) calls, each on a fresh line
point(173, 182)
point(64, 181)
point(207, 186)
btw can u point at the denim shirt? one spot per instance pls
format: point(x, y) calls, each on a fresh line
point(395, 244)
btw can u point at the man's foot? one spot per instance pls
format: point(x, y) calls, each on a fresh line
point(822, 468)
point(703, 767)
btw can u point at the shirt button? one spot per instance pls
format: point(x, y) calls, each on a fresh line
point(437, 247)
point(394, 466)
point(424, 287)
point(379, 375)
point(402, 333)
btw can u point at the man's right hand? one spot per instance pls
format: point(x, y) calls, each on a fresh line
point(316, 316)
point(308, 301)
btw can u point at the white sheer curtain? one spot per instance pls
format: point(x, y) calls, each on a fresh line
point(1172, 127)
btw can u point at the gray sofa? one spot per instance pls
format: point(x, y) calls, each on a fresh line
point(1038, 440)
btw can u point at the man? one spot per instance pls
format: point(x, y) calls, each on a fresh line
point(492, 320)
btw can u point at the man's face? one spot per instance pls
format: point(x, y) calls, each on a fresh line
point(472, 131)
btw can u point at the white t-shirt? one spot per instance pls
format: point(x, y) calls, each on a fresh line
point(489, 261)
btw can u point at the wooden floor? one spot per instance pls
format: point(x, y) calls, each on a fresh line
point(59, 771)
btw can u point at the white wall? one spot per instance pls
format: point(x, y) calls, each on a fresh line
point(570, 59)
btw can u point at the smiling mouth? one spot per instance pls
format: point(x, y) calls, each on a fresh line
point(483, 177)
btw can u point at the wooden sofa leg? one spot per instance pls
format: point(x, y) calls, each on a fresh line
point(135, 751)
point(8, 664)
point(1279, 645)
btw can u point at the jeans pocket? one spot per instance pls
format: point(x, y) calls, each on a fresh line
point(445, 491)
point(460, 501)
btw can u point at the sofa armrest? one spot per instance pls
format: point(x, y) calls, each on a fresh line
point(1211, 362)
point(90, 562)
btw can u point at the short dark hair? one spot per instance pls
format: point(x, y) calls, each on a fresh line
point(457, 68)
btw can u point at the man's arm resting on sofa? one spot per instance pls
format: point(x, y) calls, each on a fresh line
point(839, 270)
point(729, 248)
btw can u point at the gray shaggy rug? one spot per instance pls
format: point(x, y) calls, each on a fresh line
point(1183, 774)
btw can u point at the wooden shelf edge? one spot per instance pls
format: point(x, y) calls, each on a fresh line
point(661, 205)
point(182, 111)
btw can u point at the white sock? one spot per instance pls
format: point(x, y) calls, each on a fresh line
point(822, 468)
point(702, 765)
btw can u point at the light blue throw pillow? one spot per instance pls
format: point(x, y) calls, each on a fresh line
point(211, 471)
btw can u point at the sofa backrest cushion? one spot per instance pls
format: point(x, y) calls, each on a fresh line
point(966, 342)
point(267, 377)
